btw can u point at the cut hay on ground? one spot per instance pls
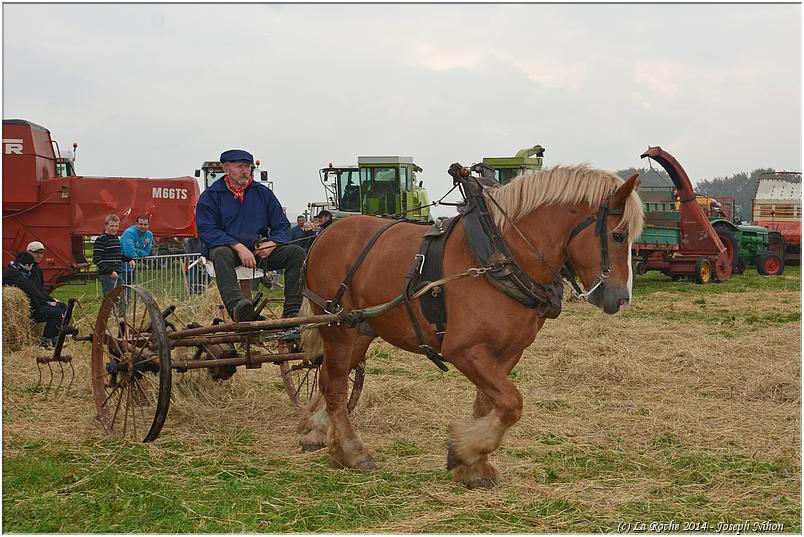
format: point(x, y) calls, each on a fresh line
point(638, 416)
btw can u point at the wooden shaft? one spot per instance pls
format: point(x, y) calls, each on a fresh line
point(241, 360)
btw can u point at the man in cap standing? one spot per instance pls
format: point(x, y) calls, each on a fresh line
point(241, 222)
point(37, 251)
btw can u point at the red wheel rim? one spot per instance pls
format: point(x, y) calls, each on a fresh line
point(771, 265)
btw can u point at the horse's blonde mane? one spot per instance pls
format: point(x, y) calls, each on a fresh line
point(563, 185)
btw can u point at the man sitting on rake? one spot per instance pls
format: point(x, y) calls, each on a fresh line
point(241, 222)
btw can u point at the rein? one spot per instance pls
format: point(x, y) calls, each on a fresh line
point(567, 271)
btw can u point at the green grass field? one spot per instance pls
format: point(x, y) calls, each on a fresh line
point(683, 409)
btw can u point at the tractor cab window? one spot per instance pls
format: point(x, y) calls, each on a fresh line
point(64, 168)
point(380, 190)
point(405, 181)
point(349, 190)
point(505, 175)
point(211, 175)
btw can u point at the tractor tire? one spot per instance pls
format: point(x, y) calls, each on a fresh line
point(776, 243)
point(729, 240)
point(703, 271)
point(739, 268)
point(770, 264)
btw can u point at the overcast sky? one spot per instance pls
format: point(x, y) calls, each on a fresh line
point(154, 90)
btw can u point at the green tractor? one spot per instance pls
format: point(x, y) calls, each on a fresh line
point(746, 245)
point(376, 186)
point(525, 161)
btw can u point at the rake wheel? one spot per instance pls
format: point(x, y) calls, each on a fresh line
point(131, 370)
point(301, 381)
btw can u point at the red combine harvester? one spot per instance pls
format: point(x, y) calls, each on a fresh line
point(44, 201)
point(678, 242)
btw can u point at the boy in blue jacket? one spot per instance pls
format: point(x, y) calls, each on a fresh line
point(241, 222)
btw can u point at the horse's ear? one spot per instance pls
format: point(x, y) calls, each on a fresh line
point(622, 193)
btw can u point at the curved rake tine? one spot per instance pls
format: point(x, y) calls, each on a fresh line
point(61, 379)
point(72, 375)
point(50, 383)
point(39, 370)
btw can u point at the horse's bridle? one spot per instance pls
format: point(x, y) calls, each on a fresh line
point(601, 229)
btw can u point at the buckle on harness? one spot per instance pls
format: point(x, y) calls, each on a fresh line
point(421, 259)
point(338, 308)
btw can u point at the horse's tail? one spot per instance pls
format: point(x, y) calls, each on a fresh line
point(311, 339)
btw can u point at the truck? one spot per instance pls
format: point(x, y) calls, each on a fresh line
point(378, 185)
point(777, 206)
point(44, 200)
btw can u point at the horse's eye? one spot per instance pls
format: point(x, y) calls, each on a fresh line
point(619, 237)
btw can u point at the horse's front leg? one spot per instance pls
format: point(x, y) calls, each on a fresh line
point(497, 406)
point(345, 446)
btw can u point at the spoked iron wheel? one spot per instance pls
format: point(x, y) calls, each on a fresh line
point(131, 371)
point(301, 381)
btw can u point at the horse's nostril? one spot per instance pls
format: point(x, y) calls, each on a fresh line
point(623, 302)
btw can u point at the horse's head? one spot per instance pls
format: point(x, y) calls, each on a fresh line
point(599, 249)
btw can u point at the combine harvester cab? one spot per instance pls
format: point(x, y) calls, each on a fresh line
point(381, 186)
point(41, 203)
point(526, 161)
point(678, 243)
point(777, 206)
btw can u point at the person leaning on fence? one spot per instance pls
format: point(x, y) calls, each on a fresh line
point(107, 255)
point(232, 216)
point(136, 242)
point(196, 274)
point(44, 308)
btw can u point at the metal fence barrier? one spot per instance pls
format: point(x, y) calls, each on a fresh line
point(177, 276)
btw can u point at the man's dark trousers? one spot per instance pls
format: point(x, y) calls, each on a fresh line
point(52, 316)
point(285, 256)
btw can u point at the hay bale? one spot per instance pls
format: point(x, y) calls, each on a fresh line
point(17, 324)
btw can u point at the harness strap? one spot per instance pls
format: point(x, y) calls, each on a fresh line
point(333, 306)
point(436, 358)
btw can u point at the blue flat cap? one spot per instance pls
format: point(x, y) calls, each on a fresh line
point(237, 155)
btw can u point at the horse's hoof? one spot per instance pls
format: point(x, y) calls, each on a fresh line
point(365, 466)
point(453, 460)
point(312, 446)
point(482, 483)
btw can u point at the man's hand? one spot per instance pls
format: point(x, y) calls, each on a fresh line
point(265, 249)
point(245, 255)
point(113, 274)
point(132, 263)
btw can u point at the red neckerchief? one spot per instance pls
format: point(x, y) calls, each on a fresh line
point(238, 192)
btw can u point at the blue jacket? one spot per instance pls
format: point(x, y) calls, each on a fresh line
point(223, 220)
point(296, 232)
point(135, 244)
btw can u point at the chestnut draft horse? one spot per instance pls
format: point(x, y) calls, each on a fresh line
point(486, 331)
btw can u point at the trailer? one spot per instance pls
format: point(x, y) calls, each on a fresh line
point(777, 206)
point(44, 200)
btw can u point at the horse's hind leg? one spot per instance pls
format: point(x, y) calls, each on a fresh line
point(498, 405)
point(345, 446)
